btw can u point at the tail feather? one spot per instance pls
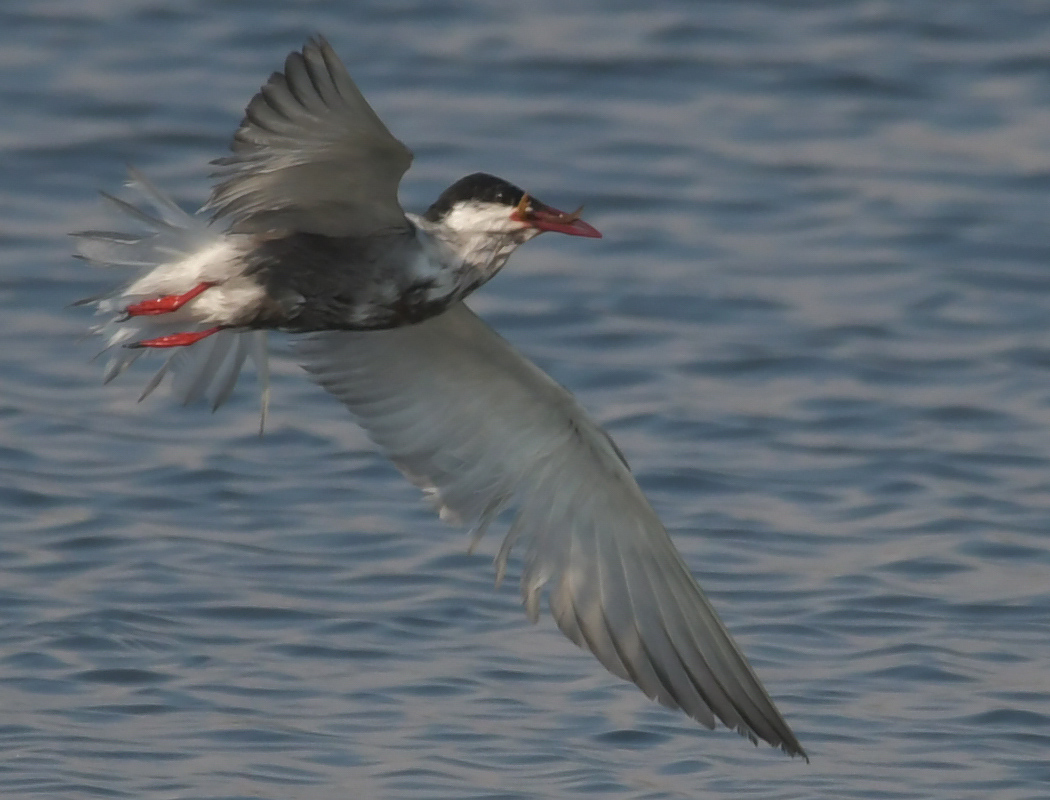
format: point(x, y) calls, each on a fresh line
point(226, 377)
point(260, 355)
point(167, 235)
point(162, 203)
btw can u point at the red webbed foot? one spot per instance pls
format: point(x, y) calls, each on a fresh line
point(176, 339)
point(166, 304)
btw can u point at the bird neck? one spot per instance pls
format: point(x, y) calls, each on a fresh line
point(475, 256)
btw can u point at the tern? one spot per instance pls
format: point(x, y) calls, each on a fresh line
point(303, 233)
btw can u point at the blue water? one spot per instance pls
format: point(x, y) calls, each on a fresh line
point(818, 325)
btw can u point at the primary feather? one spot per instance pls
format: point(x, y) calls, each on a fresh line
point(311, 155)
point(480, 428)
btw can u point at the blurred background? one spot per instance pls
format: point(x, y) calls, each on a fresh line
point(817, 326)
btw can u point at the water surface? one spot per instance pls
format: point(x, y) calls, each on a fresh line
point(817, 325)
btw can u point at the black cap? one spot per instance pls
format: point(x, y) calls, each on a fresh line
point(480, 186)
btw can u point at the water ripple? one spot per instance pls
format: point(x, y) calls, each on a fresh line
point(816, 326)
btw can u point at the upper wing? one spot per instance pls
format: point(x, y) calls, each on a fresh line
point(311, 155)
point(479, 428)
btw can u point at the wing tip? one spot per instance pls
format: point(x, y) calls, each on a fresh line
point(319, 42)
point(785, 741)
point(793, 748)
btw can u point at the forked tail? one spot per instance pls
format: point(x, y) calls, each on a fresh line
point(168, 246)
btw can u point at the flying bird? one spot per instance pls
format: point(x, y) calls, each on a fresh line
point(303, 233)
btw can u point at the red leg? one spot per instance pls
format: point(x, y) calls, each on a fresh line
point(177, 339)
point(166, 304)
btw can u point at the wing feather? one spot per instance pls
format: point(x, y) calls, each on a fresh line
point(311, 155)
point(479, 427)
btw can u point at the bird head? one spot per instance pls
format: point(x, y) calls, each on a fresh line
point(482, 204)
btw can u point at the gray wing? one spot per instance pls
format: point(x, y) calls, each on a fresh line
point(311, 155)
point(479, 428)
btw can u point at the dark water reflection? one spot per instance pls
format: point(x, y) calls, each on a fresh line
point(817, 326)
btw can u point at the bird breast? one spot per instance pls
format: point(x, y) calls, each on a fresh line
point(315, 282)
